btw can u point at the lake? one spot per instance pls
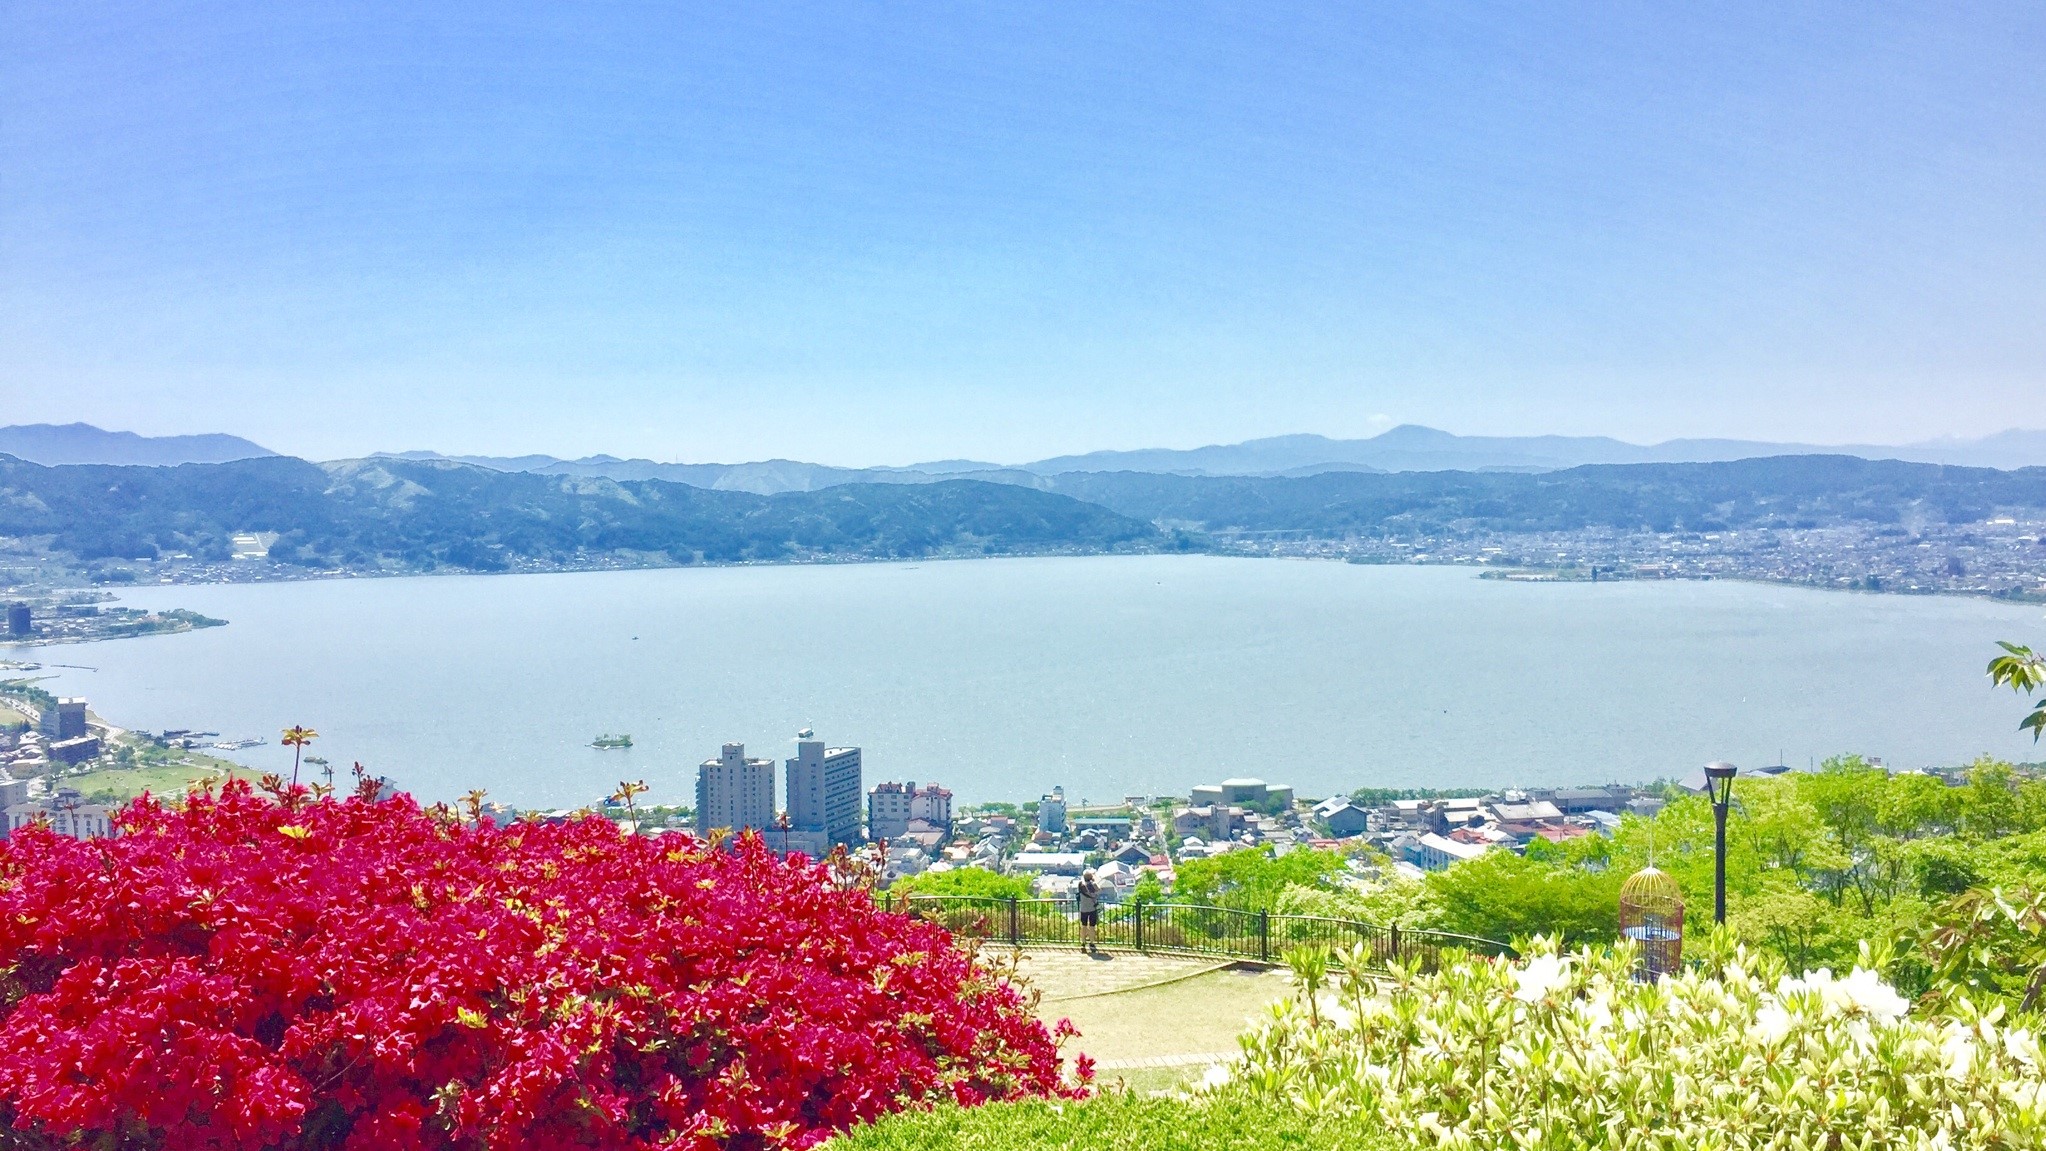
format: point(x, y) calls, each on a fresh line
point(1109, 675)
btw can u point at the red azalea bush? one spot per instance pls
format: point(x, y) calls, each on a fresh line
point(239, 972)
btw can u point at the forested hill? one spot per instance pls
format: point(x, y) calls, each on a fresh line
point(1779, 491)
point(392, 514)
point(385, 513)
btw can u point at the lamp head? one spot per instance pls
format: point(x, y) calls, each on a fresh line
point(1719, 782)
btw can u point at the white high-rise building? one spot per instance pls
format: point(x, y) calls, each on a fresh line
point(824, 790)
point(734, 792)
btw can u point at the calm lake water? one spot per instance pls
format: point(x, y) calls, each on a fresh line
point(1001, 678)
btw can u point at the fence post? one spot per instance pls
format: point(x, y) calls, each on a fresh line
point(1264, 937)
point(1015, 931)
point(1395, 941)
point(1140, 927)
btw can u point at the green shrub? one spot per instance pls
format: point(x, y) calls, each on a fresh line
point(976, 882)
point(1571, 1053)
point(1114, 1122)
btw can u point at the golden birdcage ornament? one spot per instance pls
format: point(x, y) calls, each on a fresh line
point(1652, 915)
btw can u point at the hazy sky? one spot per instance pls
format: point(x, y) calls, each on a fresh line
point(865, 233)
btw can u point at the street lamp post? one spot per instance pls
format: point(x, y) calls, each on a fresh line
point(1719, 785)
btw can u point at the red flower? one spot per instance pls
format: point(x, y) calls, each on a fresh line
point(237, 972)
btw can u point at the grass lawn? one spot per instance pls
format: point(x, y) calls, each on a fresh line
point(1150, 1038)
point(157, 779)
point(1113, 1122)
point(1198, 1016)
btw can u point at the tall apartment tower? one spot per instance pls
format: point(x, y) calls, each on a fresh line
point(64, 719)
point(824, 790)
point(19, 621)
point(734, 792)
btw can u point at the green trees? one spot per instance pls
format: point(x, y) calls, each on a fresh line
point(1505, 896)
point(968, 881)
point(1252, 880)
point(1816, 862)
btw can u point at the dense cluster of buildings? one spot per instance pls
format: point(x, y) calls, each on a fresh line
point(61, 736)
point(2003, 556)
point(74, 619)
point(1432, 834)
point(1056, 842)
point(827, 804)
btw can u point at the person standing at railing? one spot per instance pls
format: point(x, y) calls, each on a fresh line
point(1089, 893)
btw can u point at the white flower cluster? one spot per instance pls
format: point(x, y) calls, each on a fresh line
point(1569, 1051)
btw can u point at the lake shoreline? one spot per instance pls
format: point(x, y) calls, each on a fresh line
point(281, 574)
point(1129, 675)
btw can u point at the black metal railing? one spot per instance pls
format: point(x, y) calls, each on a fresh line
point(1186, 928)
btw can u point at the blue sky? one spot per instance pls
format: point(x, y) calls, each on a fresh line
point(873, 233)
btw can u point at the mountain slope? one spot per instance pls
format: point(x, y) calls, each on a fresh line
point(1785, 491)
point(84, 444)
point(762, 477)
point(419, 515)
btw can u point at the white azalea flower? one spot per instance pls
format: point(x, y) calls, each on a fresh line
point(1773, 1023)
point(2022, 1045)
point(1864, 990)
point(1542, 975)
point(1958, 1052)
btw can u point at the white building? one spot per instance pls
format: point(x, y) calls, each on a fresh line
point(734, 792)
point(66, 813)
point(1055, 862)
point(931, 804)
point(1433, 852)
point(824, 790)
point(888, 810)
point(892, 807)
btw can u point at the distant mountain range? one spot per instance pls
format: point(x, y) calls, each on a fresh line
point(1413, 448)
point(85, 444)
point(387, 514)
point(422, 515)
point(1408, 448)
point(1768, 491)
